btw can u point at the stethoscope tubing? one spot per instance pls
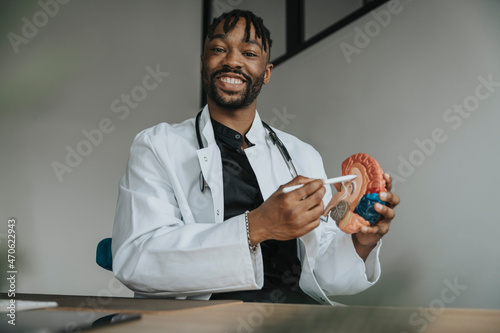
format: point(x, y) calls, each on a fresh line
point(274, 138)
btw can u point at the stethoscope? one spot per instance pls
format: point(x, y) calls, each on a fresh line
point(274, 138)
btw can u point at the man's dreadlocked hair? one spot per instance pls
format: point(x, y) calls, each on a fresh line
point(231, 18)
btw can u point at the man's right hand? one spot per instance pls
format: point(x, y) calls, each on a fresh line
point(285, 216)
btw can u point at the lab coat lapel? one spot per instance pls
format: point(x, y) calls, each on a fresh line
point(211, 165)
point(266, 161)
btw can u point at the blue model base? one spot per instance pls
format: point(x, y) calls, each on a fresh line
point(365, 207)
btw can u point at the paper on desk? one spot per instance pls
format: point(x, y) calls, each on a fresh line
point(22, 305)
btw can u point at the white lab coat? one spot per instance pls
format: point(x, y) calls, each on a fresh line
point(170, 239)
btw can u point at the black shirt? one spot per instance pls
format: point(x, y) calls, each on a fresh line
point(241, 193)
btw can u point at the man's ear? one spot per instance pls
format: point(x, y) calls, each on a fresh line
point(201, 63)
point(267, 74)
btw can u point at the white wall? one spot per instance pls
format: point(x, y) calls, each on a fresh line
point(395, 91)
point(63, 81)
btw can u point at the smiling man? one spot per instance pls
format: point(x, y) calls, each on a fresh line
point(201, 213)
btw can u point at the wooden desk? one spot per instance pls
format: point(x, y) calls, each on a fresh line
point(118, 304)
point(234, 316)
point(250, 318)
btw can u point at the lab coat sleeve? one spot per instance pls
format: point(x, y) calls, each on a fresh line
point(339, 270)
point(337, 267)
point(156, 252)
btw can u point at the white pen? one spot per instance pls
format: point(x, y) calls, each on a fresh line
point(327, 181)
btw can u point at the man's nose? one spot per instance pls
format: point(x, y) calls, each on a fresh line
point(233, 59)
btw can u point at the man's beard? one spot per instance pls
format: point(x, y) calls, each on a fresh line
point(249, 95)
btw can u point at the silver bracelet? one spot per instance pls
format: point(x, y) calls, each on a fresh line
point(253, 248)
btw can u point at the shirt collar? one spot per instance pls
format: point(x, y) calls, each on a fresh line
point(256, 134)
point(227, 135)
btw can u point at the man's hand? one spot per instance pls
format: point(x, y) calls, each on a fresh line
point(365, 240)
point(285, 216)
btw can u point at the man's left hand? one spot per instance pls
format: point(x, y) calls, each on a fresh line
point(365, 240)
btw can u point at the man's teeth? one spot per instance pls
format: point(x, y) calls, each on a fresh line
point(231, 80)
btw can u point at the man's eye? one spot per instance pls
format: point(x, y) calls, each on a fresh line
point(250, 54)
point(218, 49)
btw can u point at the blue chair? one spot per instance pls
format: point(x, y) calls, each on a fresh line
point(104, 257)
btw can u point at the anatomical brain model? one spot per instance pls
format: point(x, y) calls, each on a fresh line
point(352, 206)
